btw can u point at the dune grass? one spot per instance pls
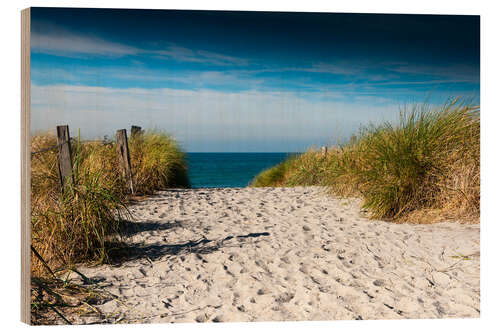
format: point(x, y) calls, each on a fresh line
point(425, 168)
point(77, 225)
point(157, 162)
point(72, 226)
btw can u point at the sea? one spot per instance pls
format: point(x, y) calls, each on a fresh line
point(229, 169)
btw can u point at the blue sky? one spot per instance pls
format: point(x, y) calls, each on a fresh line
point(243, 81)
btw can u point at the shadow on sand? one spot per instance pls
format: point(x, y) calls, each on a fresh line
point(132, 228)
point(121, 252)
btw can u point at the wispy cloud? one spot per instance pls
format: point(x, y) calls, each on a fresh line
point(394, 72)
point(399, 91)
point(451, 72)
point(55, 40)
point(339, 68)
point(205, 119)
point(183, 54)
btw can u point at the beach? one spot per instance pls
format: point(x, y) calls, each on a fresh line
point(281, 254)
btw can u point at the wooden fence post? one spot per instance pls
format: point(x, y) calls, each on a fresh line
point(124, 157)
point(65, 163)
point(324, 150)
point(135, 130)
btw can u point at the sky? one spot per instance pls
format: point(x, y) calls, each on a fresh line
point(243, 81)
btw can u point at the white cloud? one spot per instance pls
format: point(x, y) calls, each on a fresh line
point(206, 119)
point(180, 53)
point(450, 73)
point(52, 39)
point(59, 41)
point(333, 68)
point(376, 93)
point(223, 59)
point(395, 72)
point(56, 40)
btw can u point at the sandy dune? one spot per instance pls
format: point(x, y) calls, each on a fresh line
point(261, 254)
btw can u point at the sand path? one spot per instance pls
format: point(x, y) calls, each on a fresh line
point(261, 254)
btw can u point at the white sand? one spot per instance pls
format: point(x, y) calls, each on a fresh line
point(321, 260)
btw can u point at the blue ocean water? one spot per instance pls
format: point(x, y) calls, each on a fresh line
point(228, 169)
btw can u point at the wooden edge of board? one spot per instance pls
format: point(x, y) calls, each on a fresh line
point(25, 166)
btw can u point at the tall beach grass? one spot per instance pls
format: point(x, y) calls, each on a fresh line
point(424, 168)
point(77, 225)
point(157, 162)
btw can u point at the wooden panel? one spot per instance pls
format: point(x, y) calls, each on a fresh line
point(25, 168)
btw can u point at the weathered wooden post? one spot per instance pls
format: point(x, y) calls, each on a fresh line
point(135, 130)
point(65, 163)
point(124, 157)
point(324, 150)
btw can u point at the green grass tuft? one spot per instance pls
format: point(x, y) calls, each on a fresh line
point(157, 162)
point(424, 168)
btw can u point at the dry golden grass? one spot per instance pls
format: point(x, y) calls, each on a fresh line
point(424, 169)
point(157, 163)
point(77, 225)
point(74, 226)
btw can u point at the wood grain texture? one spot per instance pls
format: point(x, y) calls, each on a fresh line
point(124, 157)
point(65, 162)
point(25, 167)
